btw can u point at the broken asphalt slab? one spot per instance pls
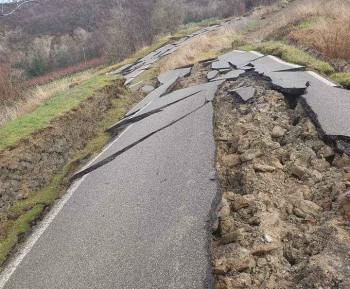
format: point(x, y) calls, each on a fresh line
point(212, 74)
point(270, 63)
point(232, 75)
point(238, 58)
point(171, 74)
point(154, 95)
point(244, 93)
point(296, 82)
point(329, 107)
point(204, 91)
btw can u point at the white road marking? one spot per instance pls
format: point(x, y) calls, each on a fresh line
point(283, 62)
point(324, 80)
point(45, 223)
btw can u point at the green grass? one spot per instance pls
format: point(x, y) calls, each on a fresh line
point(60, 103)
point(19, 226)
point(25, 211)
point(343, 78)
point(306, 23)
point(292, 54)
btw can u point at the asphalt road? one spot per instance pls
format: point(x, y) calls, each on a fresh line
point(139, 221)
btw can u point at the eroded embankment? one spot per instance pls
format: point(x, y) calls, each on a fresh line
point(35, 171)
point(284, 217)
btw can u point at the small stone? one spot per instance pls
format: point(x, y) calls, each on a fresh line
point(275, 162)
point(264, 168)
point(254, 221)
point(219, 267)
point(262, 249)
point(231, 237)
point(250, 155)
point(267, 238)
point(347, 177)
point(240, 202)
point(299, 213)
point(231, 160)
point(344, 205)
point(325, 152)
point(299, 171)
point(224, 209)
point(278, 132)
point(261, 262)
point(320, 164)
point(226, 225)
point(307, 208)
point(241, 264)
point(342, 161)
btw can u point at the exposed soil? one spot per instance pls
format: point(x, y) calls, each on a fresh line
point(31, 164)
point(283, 221)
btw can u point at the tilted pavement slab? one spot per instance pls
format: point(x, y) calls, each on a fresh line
point(153, 95)
point(270, 63)
point(204, 92)
point(296, 82)
point(232, 75)
point(330, 107)
point(170, 74)
point(244, 93)
point(240, 58)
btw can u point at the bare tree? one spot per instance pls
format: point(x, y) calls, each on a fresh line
point(8, 8)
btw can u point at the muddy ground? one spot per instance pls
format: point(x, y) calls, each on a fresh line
point(283, 221)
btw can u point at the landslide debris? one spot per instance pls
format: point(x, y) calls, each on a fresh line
point(283, 221)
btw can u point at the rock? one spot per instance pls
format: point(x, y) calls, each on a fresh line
point(325, 152)
point(341, 161)
point(262, 249)
point(224, 209)
point(264, 168)
point(320, 164)
point(344, 205)
point(261, 262)
point(231, 160)
point(299, 213)
point(241, 264)
point(239, 202)
point(250, 155)
point(278, 132)
point(275, 162)
point(347, 177)
point(242, 281)
point(299, 171)
point(267, 238)
point(219, 267)
point(306, 208)
point(226, 225)
point(231, 237)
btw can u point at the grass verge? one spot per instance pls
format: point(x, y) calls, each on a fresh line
point(343, 78)
point(58, 104)
point(292, 54)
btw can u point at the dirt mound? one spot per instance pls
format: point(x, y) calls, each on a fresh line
point(283, 221)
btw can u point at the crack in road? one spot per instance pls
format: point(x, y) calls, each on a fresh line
point(125, 122)
point(120, 152)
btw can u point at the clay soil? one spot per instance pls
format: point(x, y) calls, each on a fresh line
point(283, 221)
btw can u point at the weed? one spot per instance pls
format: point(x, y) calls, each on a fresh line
point(292, 54)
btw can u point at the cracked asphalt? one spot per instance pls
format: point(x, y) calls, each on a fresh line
point(140, 220)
